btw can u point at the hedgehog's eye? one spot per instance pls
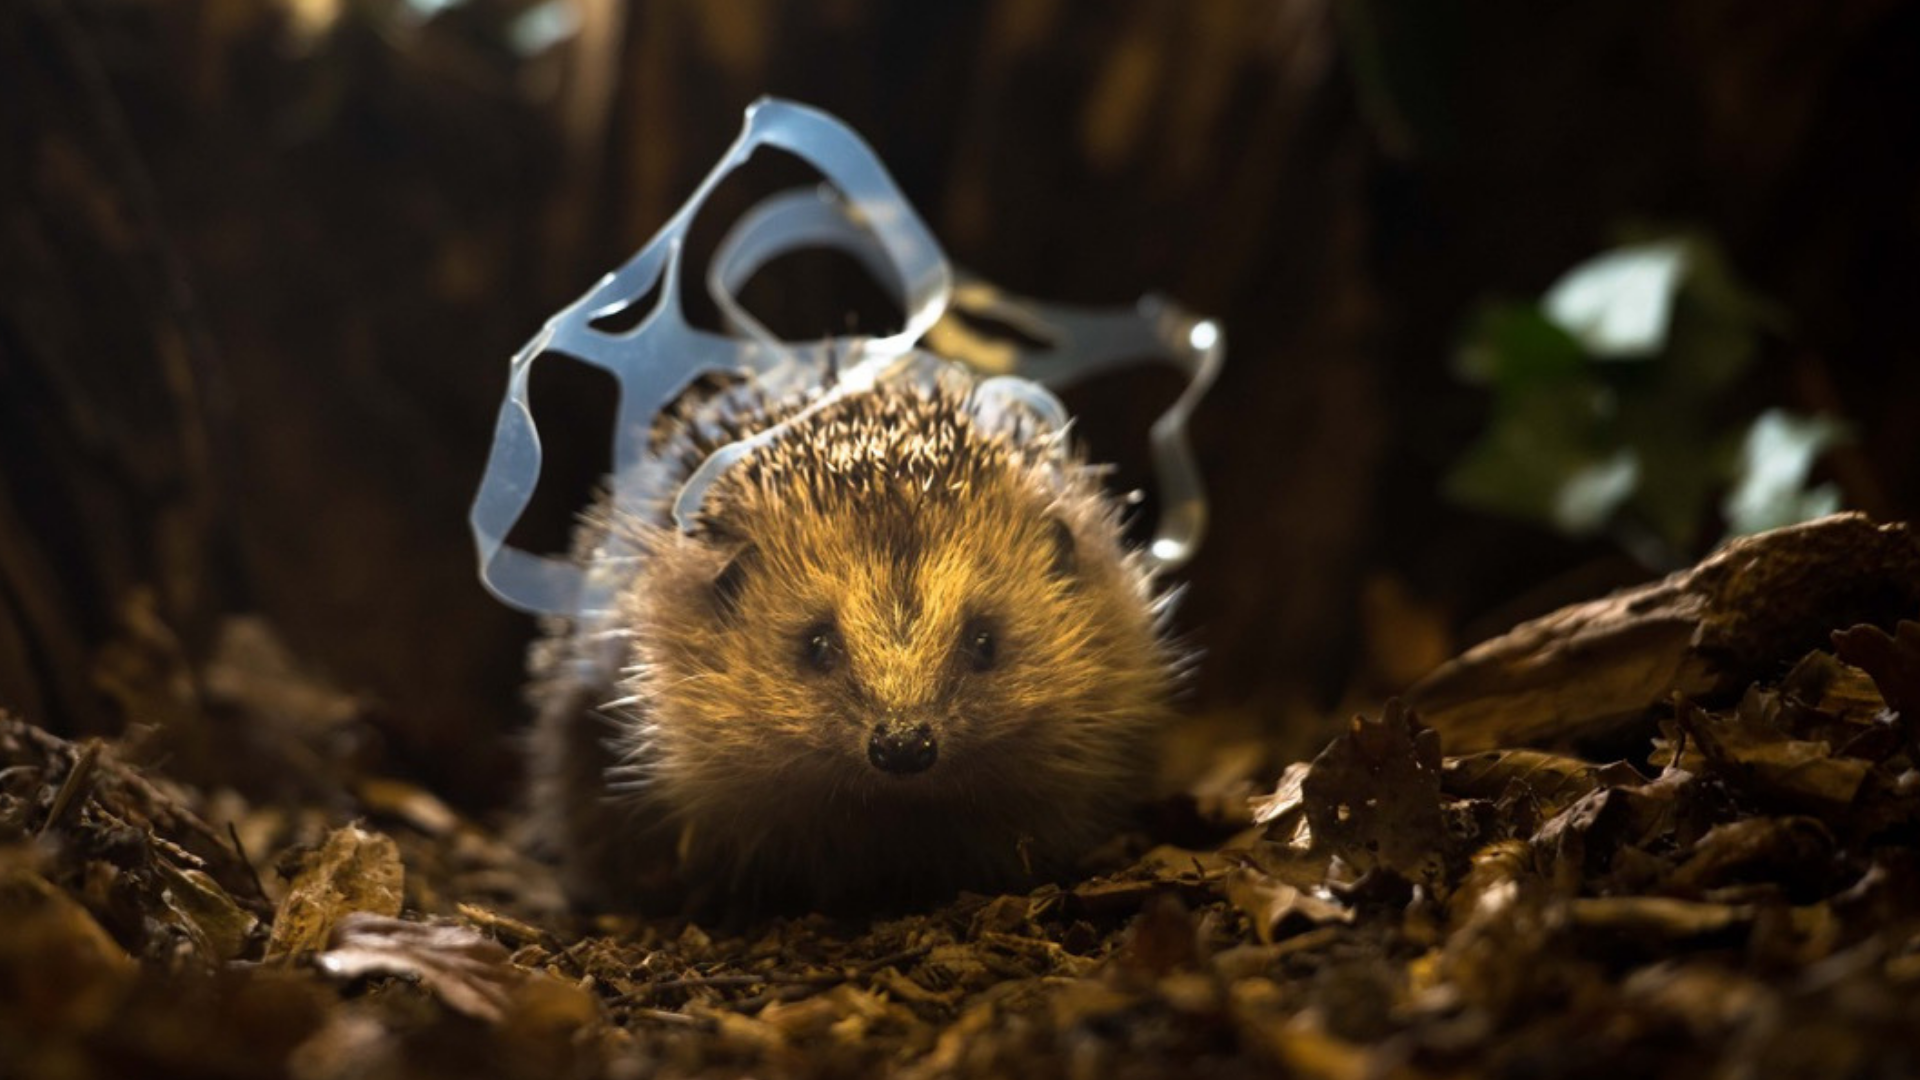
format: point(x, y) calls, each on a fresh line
point(978, 644)
point(821, 647)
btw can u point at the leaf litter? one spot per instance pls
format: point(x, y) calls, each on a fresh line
point(1742, 900)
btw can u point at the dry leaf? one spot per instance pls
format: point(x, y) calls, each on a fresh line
point(1750, 753)
point(353, 871)
point(1286, 796)
point(1268, 904)
point(1656, 916)
point(1373, 796)
point(199, 902)
point(1893, 660)
point(1553, 780)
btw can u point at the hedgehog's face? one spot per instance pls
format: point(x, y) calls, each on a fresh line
point(898, 642)
point(904, 652)
point(894, 645)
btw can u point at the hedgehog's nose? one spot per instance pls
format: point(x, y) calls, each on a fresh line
point(901, 747)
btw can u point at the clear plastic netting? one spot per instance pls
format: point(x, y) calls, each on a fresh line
point(858, 211)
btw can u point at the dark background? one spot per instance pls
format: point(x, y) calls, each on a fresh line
point(262, 265)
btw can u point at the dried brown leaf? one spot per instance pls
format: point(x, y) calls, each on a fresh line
point(1656, 916)
point(197, 901)
point(1268, 904)
point(1286, 796)
point(1833, 686)
point(1002, 914)
point(1493, 873)
point(1792, 849)
point(1552, 780)
point(1300, 867)
point(355, 870)
point(1373, 796)
point(1893, 660)
point(1578, 842)
point(1749, 750)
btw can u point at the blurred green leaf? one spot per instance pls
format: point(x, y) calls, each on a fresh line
point(1585, 444)
point(1513, 346)
point(1593, 493)
point(1685, 459)
point(1535, 442)
point(1618, 305)
point(1776, 460)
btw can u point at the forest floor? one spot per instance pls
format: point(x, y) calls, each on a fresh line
point(1739, 896)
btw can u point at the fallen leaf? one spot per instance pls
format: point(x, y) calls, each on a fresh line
point(199, 901)
point(1286, 796)
point(1373, 796)
point(1750, 754)
point(353, 871)
point(1553, 780)
point(1795, 849)
point(1491, 881)
point(1893, 660)
point(1656, 916)
point(1268, 904)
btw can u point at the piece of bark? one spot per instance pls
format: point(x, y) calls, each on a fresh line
point(1755, 606)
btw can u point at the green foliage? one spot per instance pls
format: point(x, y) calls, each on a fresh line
point(1612, 407)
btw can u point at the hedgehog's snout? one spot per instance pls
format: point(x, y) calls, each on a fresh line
point(902, 747)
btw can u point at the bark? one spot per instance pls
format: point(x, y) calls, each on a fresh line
point(1588, 670)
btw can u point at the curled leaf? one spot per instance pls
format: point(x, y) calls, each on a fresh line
point(1893, 660)
point(199, 903)
point(1268, 903)
point(1553, 780)
point(1286, 796)
point(1753, 756)
point(467, 971)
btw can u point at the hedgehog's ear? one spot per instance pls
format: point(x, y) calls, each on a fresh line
point(1066, 552)
point(726, 585)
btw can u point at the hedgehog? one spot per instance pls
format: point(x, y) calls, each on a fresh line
point(901, 652)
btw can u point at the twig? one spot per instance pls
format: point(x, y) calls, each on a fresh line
point(786, 981)
point(819, 979)
point(874, 967)
point(668, 1016)
point(240, 849)
point(771, 978)
point(74, 788)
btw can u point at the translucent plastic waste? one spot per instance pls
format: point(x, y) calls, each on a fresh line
point(858, 211)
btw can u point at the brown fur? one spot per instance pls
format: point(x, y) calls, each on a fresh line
point(894, 521)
